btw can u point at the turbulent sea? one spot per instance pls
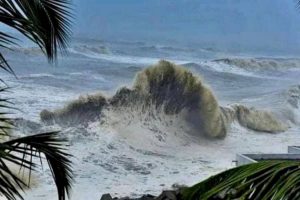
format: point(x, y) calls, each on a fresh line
point(129, 152)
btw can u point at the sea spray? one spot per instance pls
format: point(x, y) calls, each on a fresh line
point(292, 104)
point(258, 120)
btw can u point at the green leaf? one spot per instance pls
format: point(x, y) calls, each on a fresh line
point(264, 180)
point(46, 22)
point(47, 144)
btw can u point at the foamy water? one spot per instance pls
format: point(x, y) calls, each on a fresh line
point(128, 153)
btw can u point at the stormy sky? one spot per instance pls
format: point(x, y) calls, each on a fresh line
point(260, 23)
point(273, 24)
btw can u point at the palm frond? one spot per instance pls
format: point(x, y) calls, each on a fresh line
point(45, 22)
point(265, 180)
point(298, 4)
point(6, 40)
point(5, 66)
point(6, 107)
point(23, 151)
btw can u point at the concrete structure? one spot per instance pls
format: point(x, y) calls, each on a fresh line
point(294, 149)
point(242, 159)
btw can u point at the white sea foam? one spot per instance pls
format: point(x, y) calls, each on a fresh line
point(223, 67)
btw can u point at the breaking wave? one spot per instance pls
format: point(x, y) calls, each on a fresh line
point(78, 49)
point(89, 50)
point(31, 51)
point(165, 48)
point(256, 64)
point(258, 120)
point(165, 95)
point(113, 57)
point(85, 109)
point(292, 104)
point(293, 96)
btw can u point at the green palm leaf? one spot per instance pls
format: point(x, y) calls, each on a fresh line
point(22, 152)
point(45, 22)
point(6, 107)
point(265, 180)
point(298, 4)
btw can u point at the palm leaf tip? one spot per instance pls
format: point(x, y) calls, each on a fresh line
point(53, 149)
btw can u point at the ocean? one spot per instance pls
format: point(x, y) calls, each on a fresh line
point(133, 151)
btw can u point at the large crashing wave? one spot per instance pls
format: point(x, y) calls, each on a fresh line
point(171, 90)
point(178, 91)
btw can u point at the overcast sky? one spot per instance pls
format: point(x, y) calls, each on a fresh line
point(268, 22)
point(273, 23)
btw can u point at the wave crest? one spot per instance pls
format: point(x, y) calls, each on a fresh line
point(258, 120)
point(80, 111)
point(177, 89)
point(256, 64)
point(86, 49)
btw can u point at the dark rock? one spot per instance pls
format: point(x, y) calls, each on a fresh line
point(177, 186)
point(106, 197)
point(124, 198)
point(167, 195)
point(147, 197)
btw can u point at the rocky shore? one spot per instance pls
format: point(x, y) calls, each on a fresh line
point(165, 195)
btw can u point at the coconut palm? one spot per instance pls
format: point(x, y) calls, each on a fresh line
point(265, 180)
point(46, 23)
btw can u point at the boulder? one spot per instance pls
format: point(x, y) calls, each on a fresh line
point(167, 195)
point(106, 197)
